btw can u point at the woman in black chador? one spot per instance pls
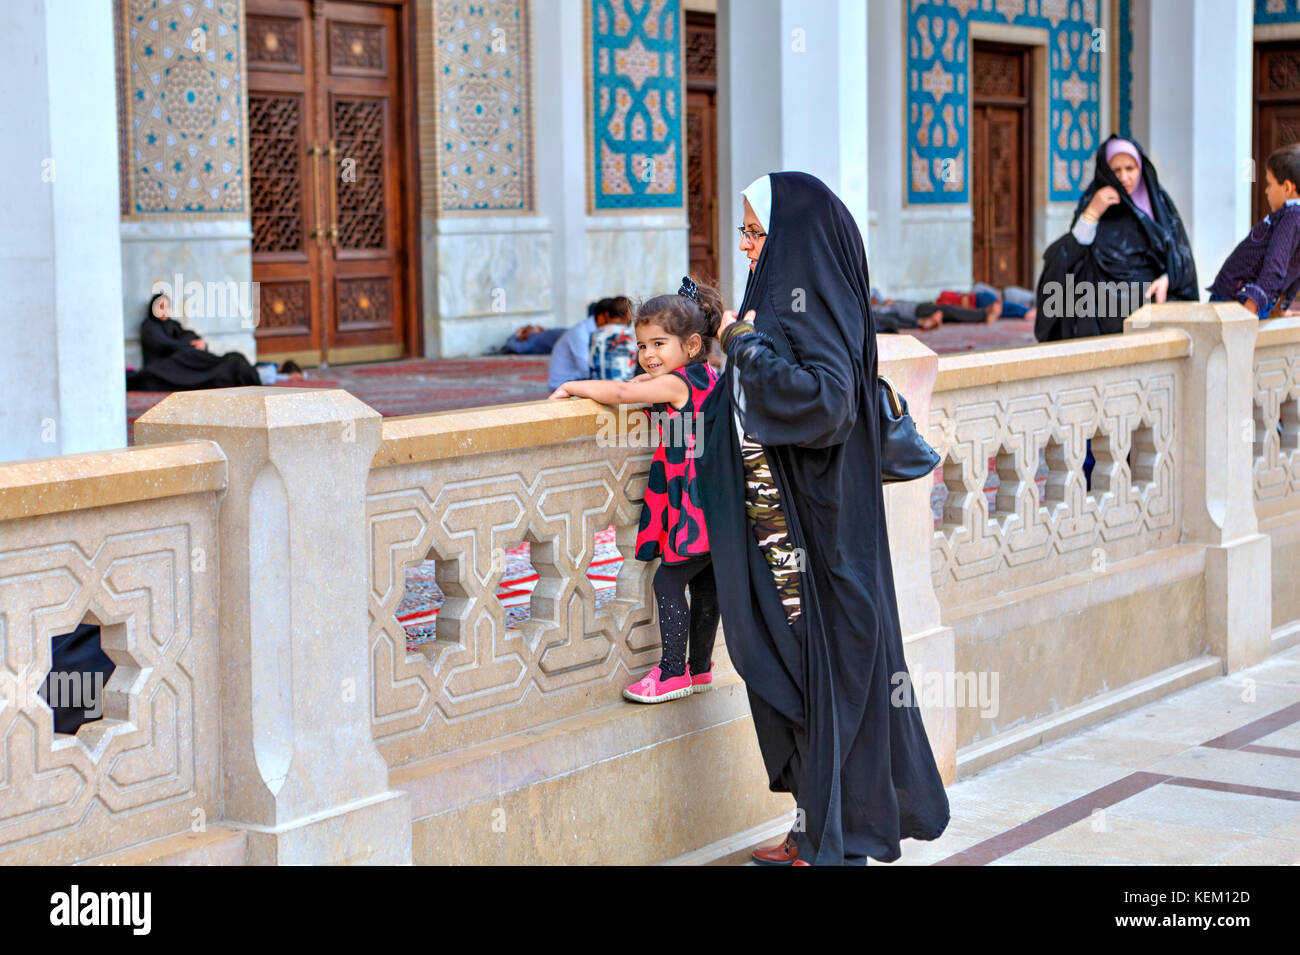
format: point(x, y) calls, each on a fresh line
point(791, 490)
point(176, 359)
point(1126, 243)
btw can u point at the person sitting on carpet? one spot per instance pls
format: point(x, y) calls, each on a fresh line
point(571, 357)
point(177, 359)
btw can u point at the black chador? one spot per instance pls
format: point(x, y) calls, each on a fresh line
point(860, 767)
point(1087, 290)
point(171, 363)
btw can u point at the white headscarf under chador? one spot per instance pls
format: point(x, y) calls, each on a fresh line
point(759, 194)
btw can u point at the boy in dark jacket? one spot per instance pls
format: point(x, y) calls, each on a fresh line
point(1263, 271)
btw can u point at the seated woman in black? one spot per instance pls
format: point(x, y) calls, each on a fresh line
point(176, 359)
point(1126, 245)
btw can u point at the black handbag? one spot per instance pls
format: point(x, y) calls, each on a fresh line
point(904, 454)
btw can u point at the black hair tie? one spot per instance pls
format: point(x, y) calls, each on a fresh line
point(689, 289)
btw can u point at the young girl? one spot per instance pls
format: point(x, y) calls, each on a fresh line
point(673, 334)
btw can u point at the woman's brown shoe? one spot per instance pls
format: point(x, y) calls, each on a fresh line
point(783, 854)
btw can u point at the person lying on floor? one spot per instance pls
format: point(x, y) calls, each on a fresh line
point(1014, 301)
point(177, 359)
point(532, 340)
point(893, 315)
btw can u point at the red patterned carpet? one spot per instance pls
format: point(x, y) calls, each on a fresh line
point(418, 385)
point(411, 385)
point(1004, 333)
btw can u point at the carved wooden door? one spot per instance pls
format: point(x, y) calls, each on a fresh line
point(1277, 109)
point(702, 142)
point(1000, 164)
point(327, 142)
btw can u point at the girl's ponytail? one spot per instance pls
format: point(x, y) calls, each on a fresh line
point(710, 302)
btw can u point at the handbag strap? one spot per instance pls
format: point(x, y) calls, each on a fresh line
point(893, 396)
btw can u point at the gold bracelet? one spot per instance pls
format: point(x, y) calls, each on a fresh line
point(1089, 218)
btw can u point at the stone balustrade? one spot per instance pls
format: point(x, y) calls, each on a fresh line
point(127, 540)
point(248, 559)
point(1274, 433)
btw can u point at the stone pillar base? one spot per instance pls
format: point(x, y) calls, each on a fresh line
point(931, 662)
point(372, 832)
point(1239, 600)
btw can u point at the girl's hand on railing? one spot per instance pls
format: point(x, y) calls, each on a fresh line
point(560, 392)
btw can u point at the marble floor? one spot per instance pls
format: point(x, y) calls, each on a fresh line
point(1207, 776)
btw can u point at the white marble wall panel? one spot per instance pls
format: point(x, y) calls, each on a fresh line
point(491, 275)
point(916, 253)
point(636, 255)
point(217, 253)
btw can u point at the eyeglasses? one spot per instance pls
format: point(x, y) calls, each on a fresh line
point(750, 234)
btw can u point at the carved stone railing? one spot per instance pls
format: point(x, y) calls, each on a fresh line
point(1066, 592)
point(1274, 434)
point(1275, 429)
point(1027, 413)
point(462, 487)
point(246, 564)
point(126, 540)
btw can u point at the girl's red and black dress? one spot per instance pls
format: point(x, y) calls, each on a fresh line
point(672, 524)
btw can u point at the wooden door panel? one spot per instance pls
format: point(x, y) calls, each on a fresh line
point(702, 143)
point(327, 145)
point(701, 181)
point(283, 178)
point(979, 194)
point(366, 286)
point(359, 128)
point(1005, 168)
point(1001, 86)
point(1277, 108)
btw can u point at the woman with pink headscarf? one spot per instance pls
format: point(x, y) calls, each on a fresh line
point(1126, 246)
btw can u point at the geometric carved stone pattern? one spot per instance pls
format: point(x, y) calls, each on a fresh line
point(359, 129)
point(181, 71)
point(478, 680)
point(144, 769)
point(1025, 538)
point(1277, 460)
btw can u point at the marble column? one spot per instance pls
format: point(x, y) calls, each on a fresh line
point(561, 138)
point(792, 95)
point(1195, 119)
point(300, 769)
point(61, 368)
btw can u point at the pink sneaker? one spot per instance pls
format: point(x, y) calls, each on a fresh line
point(651, 689)
point(701, 682)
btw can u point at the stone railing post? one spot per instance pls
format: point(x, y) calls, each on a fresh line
point(1217, 472)
point(929, 645)
point(300, 769)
